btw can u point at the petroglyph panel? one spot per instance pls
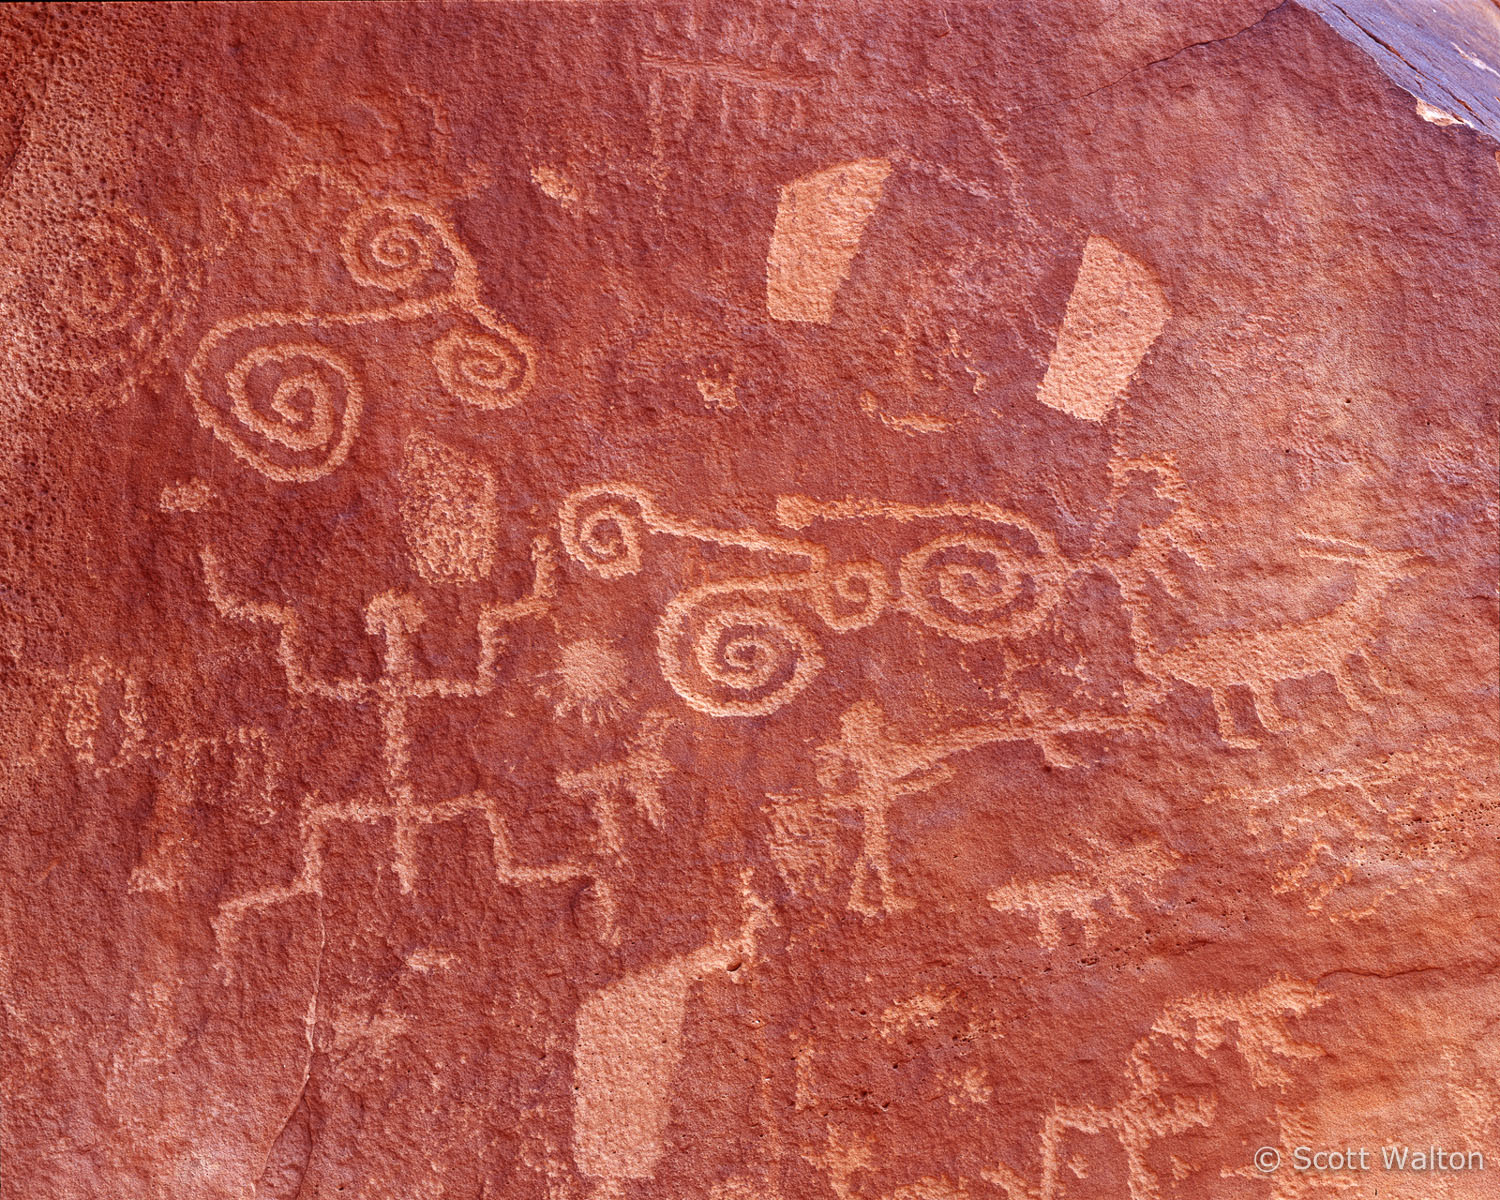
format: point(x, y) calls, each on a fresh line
point(623, 602)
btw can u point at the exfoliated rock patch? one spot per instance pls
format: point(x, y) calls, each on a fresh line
point(633, 601)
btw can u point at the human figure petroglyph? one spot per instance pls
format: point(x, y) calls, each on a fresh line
point(395, 617)
point(1107, 877)
point(869, 768)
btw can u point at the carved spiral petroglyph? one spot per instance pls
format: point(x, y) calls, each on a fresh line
point(489, 368)
point(974, 588)
point(292, 410)
point(117, 270)
point(852, 596)
point(730, 658)
point(602, 528)
point(394, 248)
point(110, 296)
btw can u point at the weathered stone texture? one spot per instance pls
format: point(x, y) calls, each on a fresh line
point(882, 602)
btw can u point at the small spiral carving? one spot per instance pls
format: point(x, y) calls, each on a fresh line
point(293, 409)
point(390, 247)
point(852, 596)
point(489, 369)
point(739, 660)
point(975, 588)
point(603, 528)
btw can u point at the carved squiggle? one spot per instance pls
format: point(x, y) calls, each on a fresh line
point(294, 432)
point(730, 647)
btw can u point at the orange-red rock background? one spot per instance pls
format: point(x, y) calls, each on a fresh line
point(507, 694)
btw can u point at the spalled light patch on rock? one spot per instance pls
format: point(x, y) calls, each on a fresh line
point(193, 496)
point(819, 223)
point(1116, 311)
point(629, 1045)
point(448, 511)
point(1431, 112)
point(557, 186)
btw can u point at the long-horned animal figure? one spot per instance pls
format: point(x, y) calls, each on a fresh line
point(1260, 659)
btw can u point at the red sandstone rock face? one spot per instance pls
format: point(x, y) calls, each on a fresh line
point(659, 601)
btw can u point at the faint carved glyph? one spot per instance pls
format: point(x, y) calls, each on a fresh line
point(819, 222)
point(629, 1042)
point(718, 391)
point(192, 496)
point(1107, 877)
point(1335, 835)
point(1203, 1021)
point(449, 512)
point(282, 390)
point(742, 72)
point(1251, 1025)
point(804, 843)
point(1260, 659)
point(638, 777)
point(557, 186)
point(1116, 310)
point(119, 295)
point(97, 712)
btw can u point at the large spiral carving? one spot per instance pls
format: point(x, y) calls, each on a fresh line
point(603, 528)
point(289, 409)
point(973, 588)
point(488, 368)
point(395, 248)
point(731, 657)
